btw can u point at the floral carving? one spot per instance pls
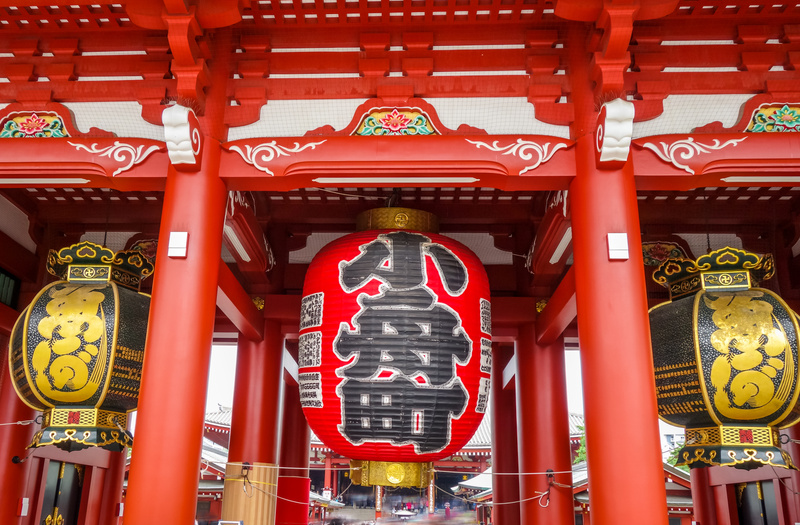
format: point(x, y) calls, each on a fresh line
point(406, 122)
point(262, 154)
point(655, 253)
point(33, 126)
point(524, 149)
point(126, 154)
point(395, 121)
point(683, 150)
point(771, 118)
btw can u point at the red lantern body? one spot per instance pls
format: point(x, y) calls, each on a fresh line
point(395, 346)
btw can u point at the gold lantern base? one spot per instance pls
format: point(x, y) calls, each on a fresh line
point(390, 473)
point(76, 428)
point(736, 446)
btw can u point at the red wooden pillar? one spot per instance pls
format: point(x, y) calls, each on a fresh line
point(725, 503)
point(13, 440)
point(791, 492)
point(92, 495)
point(326, 485)
point(169, 428)
point(335, 486)
point(505, 488)
point(254, 426)
point(622, 439)
point(704, 509)
point(294, 484)
point(256, 398)
point(543, 429)
point(112, 489)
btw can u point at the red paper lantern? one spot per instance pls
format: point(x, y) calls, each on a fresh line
point(395, 345)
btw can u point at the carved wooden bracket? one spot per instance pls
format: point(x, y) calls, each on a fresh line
point(614, 22)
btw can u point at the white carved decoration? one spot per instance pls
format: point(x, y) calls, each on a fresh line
point(121, 152)
point(182, 135)
point(262, 154)
point(686, 149)
point(614, 132)
point(524, 149)
point(556, 198)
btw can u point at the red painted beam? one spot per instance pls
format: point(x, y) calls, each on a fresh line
point(123, 164)
point(284, 308)
point(237, 305)
point(512, 311)
point(500, 161)
point(684, 162)
point(559, 313)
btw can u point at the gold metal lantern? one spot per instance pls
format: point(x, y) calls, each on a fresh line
point(76, 351)
point(726, 359)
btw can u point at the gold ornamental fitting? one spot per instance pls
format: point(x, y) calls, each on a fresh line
point(730, 435)
point(390, 473)
point(79, 417)
point(397, 219)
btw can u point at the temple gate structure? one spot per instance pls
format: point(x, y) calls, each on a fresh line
point(572, 144)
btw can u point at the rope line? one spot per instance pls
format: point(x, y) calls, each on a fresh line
point(23, 422)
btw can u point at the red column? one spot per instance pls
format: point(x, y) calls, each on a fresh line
point(256, 398)
point(505, 488)
point(704, 508)
point(326, 485)
point(725, 503)
point(619, 395)
point(112, 488)
point(791, 492)
point(293, 483)
point(169, 427)
point(335, 486)
point(543, 428)
point(13, 440)
point(254, 429)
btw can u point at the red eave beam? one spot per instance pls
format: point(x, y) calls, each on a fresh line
point(560, 311)
point(237, 305)
point(283, 308)
point(512, 311)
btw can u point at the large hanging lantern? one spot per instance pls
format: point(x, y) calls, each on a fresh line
point(726, 359)
point(76, 351)
point(395, 346)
